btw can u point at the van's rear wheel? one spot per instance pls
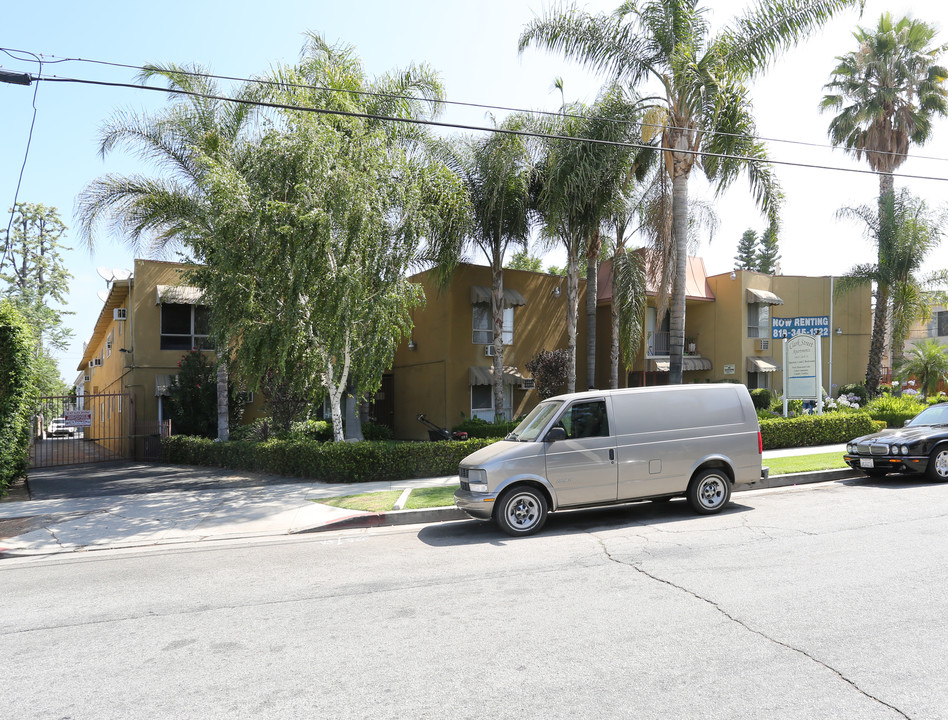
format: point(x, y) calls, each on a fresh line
point(521, 511)
point(709, 491)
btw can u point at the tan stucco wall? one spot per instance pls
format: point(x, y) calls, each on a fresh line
point(434, 379)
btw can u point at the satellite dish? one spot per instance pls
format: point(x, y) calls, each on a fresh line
point(105, 273)
point(119, 274)
point(103, 295)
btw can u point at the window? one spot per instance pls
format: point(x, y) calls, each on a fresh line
point(484, 325)
point(756, 380)
point(584, 420)
point(656, 337)
point(758, 320)
point(108, 345)
point(482, 402)
point(942, 317)
point(184, 327)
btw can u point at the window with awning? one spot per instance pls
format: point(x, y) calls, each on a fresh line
point(762, 364)
point(482, 294)
point(688, 364)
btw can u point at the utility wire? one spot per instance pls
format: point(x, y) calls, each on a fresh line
point(476, 128)
point(8, 242)
point(457, 103)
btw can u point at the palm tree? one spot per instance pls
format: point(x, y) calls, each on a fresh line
point(927, 362)
point(156, 213)
point(580, 184)
point(886, 94)
point(703, 104)
point(905, 231)
point(496, 171)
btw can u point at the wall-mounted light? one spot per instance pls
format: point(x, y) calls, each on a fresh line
point(412, 345)
point(839, 331)
point(125, 350)
point(733, 275)
point(556, 291)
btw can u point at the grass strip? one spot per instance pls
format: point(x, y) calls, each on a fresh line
point(368, 502)
point(805, 463)
point(422, 498)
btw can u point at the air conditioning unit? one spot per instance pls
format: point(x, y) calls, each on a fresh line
point(763, 344)
point(528, 384)
point(120, 314)
point(489, 350)
point(96, 362)
point(245, 397)
point(87, 378)
point(92, 363)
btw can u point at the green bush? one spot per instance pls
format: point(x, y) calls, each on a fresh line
point(326, 462)
point(318, 430)
point(375, 432)
point(761, 398)
point(894, 409)
point(477, 428)
point(808, 430)
point(17, 393)
point(855, 389)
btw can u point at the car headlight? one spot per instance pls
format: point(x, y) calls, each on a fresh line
point(905, 449)
point(477, 480)
point(850, 449)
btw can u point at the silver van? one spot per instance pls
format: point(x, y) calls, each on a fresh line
point(616, 446)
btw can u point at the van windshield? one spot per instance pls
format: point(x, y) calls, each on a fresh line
point(533, 424)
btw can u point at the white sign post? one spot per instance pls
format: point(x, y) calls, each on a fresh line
point(802, 357)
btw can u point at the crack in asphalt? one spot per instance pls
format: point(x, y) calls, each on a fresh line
point(747, 627)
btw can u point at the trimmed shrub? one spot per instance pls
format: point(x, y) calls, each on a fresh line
point(477, 428)
point(17, 393)
point(375, 432)
point(761, 398)
point(809, 430)
point(318, 430)
point(325, 462)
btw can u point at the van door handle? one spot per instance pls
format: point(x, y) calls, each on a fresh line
point(612, 455)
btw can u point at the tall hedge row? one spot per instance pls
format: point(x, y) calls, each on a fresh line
point(325, 462)
point(17, 393)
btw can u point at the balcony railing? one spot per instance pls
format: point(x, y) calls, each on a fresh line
point(657, 344)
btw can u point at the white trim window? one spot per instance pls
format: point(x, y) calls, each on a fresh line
point(483, 324)
point(758, 320)
point(482, 402)
point(108, 344)
point(184, 327)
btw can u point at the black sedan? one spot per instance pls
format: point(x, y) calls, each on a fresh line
point(919, 447)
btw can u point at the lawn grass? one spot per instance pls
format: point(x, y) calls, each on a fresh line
point(369, 502)
point(421, 498)
point(805, 463)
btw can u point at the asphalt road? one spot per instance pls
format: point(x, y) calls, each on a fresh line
point(824, 601)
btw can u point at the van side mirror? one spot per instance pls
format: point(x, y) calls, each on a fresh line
point(555, 434)
point(905, 424)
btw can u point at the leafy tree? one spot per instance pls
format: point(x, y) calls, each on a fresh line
point(886, 94)
point(905, 233)
point(927, 362)
point(769, 252)
point(746, 258)
point(17, 392)
point(523, 260)
point(192, 396)
point(703, 103)
point(550, 370)
point(36, 277)
point(496, 172)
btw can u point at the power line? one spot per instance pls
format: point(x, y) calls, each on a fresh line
point(476, 128)
point(457, 103)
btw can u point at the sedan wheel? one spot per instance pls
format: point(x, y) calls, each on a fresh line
point(709, 492)
point(938, 464)
point(521, 511)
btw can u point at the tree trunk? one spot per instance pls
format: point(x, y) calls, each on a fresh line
point(353, 427)
point(572, 312)
point(593, 250)
point(497, 310)
point(676, 308)
point(877, 343)
point(223, 410)
point(614, 342)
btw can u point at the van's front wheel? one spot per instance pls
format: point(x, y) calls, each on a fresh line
point(709, 491)
point(521, 511)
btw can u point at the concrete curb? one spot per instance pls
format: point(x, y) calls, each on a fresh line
point(448, 514)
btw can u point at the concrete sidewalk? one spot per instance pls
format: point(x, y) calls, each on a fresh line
point(231, 505)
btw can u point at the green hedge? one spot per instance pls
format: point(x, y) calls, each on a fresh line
point(809, 430)
point(477, 428)
point(325, 462)
point(17, 393)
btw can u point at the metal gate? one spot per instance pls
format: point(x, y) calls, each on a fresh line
point(68, 429)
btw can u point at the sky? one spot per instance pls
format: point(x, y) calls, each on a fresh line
point(474, 48)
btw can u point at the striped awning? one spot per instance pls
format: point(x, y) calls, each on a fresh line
point(688, 364)
point(762, 296)
point(179, 295)
point(481, 294)
point(762, 364)
point(479, 375)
